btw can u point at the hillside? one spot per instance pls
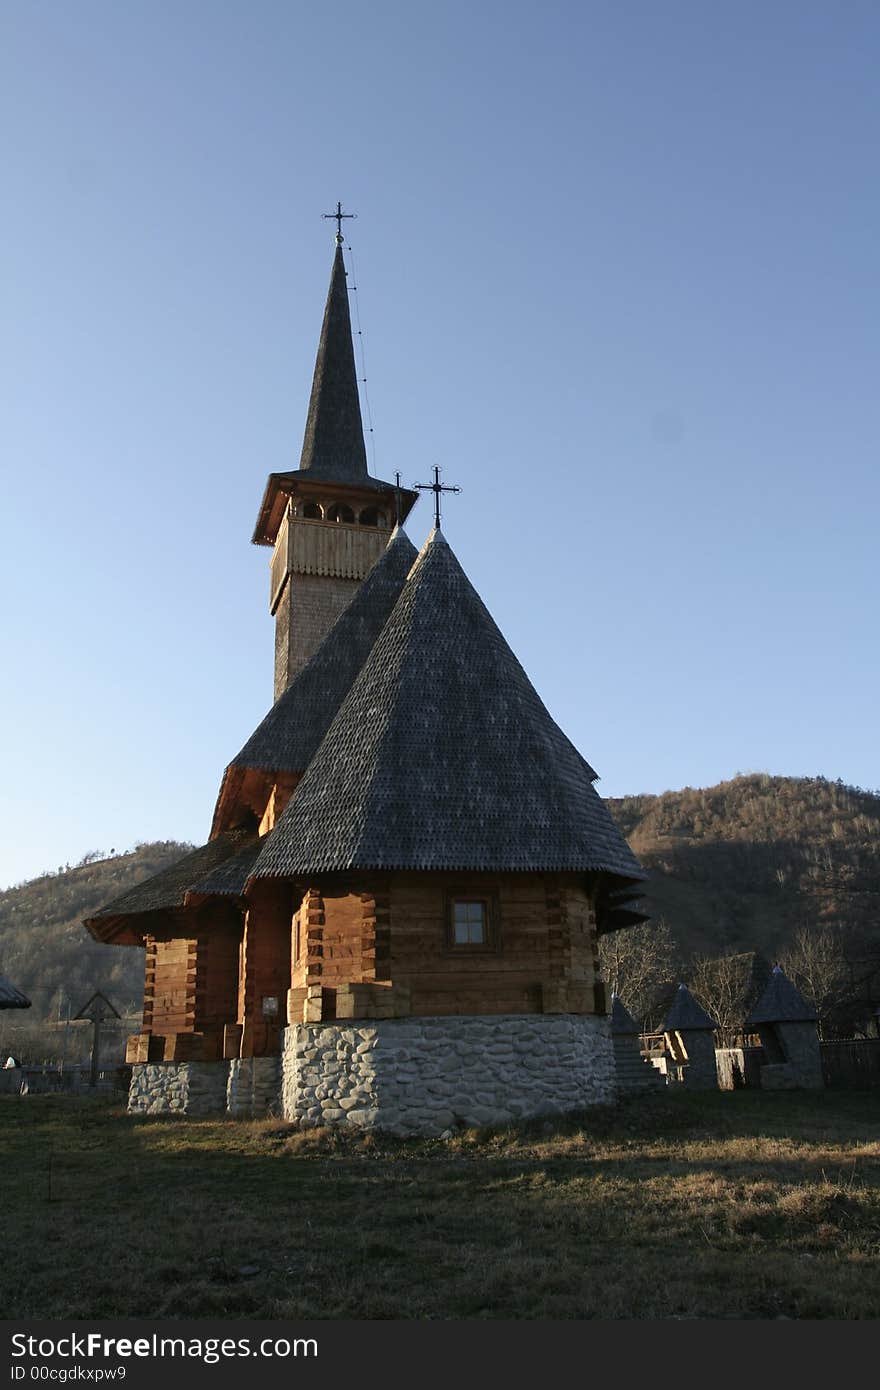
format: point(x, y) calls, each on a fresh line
point(744, 865)
point(46, 950)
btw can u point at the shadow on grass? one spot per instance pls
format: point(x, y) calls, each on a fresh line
point(723, 1205)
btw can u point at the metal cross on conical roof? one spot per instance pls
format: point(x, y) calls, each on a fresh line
point(436, 487)
point(339, 217)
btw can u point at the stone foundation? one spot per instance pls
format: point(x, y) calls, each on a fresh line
point(178, 1088)
point(429, 1075)
point(254, 1087)
point(407, 1076)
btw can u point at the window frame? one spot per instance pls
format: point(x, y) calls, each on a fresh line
point(492, 944)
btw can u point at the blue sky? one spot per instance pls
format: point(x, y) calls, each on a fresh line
point(617, 274)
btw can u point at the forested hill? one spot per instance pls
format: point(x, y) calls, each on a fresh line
point(47, 952)
point(737, 867)
point(744, 865)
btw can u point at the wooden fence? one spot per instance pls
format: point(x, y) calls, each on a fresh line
point(47, 1079)
point(847, 1064)
point(852, 1064)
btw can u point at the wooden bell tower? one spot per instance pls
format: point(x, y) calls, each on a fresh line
point(328, 521)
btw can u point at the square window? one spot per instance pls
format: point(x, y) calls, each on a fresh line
point(471, 922)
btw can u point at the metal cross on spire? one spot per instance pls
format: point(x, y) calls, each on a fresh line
point(339, 217)
point(436, 487)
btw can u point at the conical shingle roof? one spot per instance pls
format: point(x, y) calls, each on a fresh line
point(685, 1014)
point(443, 756)
point(334, 437)
point(622, 1021)
point(781, 1003)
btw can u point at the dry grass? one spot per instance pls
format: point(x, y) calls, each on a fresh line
point(725, 1205)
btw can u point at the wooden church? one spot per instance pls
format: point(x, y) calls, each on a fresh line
point(395, 920)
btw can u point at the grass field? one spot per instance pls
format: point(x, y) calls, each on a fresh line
point(736, 1204)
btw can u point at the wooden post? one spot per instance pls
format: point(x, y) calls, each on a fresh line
point(96, 1045)
point(96, 1010)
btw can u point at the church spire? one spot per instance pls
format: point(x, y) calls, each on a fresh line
point(333, 446)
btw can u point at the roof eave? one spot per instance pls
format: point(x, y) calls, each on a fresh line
point(281, 486)
point(116, 930)
point(307, 873)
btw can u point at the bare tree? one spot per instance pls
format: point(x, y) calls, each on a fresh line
point(816, 963)
point(721, 986)
point(636, 961)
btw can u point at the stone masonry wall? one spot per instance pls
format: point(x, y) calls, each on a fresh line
point(428, 1075)
point(178, 1088)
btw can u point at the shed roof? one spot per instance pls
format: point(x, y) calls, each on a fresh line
point(443, 756)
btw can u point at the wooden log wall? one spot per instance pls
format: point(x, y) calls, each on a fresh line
point(359, 939)
point(545, 935)
point(307, 941)
point(190, 985)
point(282, 791)
point(265, 968)
point(382, 947)
point(217, 965)
point(170, 985)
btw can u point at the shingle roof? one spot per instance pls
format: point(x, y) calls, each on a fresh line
point(317, 473)
point(333, 449)
point(685, 1014)
point(443, 756)
point(167, 890)
point(334, 438)
point(781, 1003)
point(10, 997)
point(229, 878)
point(289, 735)
point(622, 1020)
